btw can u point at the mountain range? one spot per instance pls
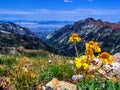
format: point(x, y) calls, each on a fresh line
point(106, 33)
point(42, 28)
point(14, 35)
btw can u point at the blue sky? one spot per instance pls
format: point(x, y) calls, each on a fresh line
point(72, 10)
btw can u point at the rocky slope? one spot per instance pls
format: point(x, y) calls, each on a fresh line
point(13, 35)
point(108, 34)
point(9, 27)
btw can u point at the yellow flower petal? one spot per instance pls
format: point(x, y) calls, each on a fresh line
point(77, 60)
point(83, 59)
point(78, 65)
point(87, 45)
point(85, 65)
point(97, 49)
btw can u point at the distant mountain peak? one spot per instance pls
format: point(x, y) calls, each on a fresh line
point(99, 20)
point(90, 19)
point(107, 33)
point(99, 23)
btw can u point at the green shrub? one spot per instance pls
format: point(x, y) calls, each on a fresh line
point(96, 84)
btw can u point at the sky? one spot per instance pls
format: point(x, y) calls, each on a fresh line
point(70, 10)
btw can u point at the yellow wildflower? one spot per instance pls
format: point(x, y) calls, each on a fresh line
point(81, 62)
point(77, 62)
point(89, 53)
point(93, 45)
point(106, 58)
point(85, 65)
point(74, 38)
point(83, 59)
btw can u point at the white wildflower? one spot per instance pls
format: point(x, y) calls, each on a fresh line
point(71, 62)
point(25, 69)
point(50, 61)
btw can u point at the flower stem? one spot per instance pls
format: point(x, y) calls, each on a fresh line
point(76, 49)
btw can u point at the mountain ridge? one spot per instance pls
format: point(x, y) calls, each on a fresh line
point(13, 35)
point(13, 28)
point(89, 29)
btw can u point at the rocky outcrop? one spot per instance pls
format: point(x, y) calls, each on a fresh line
point(117, 57)
point(21, 49)
point(110, 71)
point(7, 50)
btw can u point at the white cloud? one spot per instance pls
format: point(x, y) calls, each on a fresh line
point(16, 12)
point(48, 14)
point(68, 0)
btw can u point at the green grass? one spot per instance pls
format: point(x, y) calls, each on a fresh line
point(43, 71)
point(7, 65)
point(7, 60)
point(61, 72)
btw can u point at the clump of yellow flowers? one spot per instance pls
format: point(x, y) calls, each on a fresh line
point(106, 58)
point(81, 62)
point(93, 45)
point(91, 48)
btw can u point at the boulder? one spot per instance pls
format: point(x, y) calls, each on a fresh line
point(109, 71)
point(117, 57)
point(7, 50)
point(55, 84)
